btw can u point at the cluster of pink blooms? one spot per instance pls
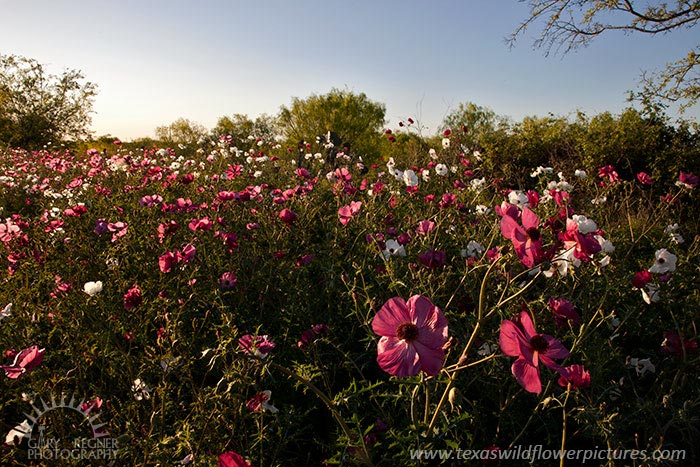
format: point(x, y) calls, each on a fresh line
point(173, 258)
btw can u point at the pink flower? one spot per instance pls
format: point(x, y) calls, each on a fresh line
point(413, 334)
point(609, 172)
point(132, 298)
point(687, 180)
point(26, 360)
point(432, 259)
point(641, 279)
point(347, 212)
point(228, 280)
point(563, 311)
point(288, 216)
point(261, 401)
point(644, 178)
point(424, 227)
point(575, 375)
point(232, 459)
point(526, 239)
point(674, 344)
point(166, 262)
point(519, 339)
point(260, 346)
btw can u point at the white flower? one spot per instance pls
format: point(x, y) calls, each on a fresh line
point(517, 198)
point(580, 173)
point(92, 288)
point(665, 262)
point(187, 459)
point(482, 210)
point(671, 228)
point(441, 170)
point(445, 143)
point(650, 293)
point(267, 394)
point(141, 390)
point(257, 174)
point(599, 200)
point(477, 155)
point(6, 312)
point(585, 225)
point(487, 349)
point(393, 248)
point(475, 249)
point(540, 170)
point(23, 430)
point(425, 174)
point(561, 262)
point(676, 238)
point(477, 183)
point(432, 153)
point(642, 365)
point(410, 178)
point(391, 164)
point(606, 246)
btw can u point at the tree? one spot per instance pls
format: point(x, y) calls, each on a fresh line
point(476, 121)
point(569, 24)
point(37, 107)
point(240, 127)
point(354, 118)
point(181, 131)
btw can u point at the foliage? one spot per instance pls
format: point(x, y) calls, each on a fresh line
point(37, 107)
point(355, 118)
point(240, 127)
point(181, 131)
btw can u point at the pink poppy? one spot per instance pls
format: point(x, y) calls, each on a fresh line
point(413, 334)
point(26, 360)
point(574, 375)
point(232, 459)
point(526, 239)
point(519, 339)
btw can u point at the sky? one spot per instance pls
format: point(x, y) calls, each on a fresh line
point(156, 61)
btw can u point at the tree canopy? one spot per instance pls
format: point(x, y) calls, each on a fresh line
point(37, 107)
point(354, 118)
point(569, 24)
point(181, 131)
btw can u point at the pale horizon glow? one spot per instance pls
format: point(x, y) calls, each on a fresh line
point(157, 61)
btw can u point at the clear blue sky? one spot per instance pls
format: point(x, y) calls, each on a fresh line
point(156, 61)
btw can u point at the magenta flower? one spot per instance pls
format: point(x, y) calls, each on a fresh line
point(641, 279)
point(132, 298)
point(526, 239)
point(519, 339)
point(259, 346)
point(425, 227)
point(261, 401)
point(288, 216)
point(564, 312)
point(644, 178)
point(347, 212)
point(432, 259)
point(232, 459)
point(413, 334)
point(575, 375)
point(688, 180)
point(674, 344)
point(26, 360)
point(228, 280)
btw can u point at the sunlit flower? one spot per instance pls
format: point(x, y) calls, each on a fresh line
point(574, 376)
point(92, 288)
point(519, 339)
point(410, 178)
point(441, 170)
point(6, 312)
point(15, 435)
point(413, 334)
point(24, 361)
point(650, 293)
point(563, 311)
point(347, 212)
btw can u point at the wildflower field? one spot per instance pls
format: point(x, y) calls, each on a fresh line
point(230, 304)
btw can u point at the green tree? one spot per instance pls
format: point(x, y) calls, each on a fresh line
point(181, 131)
point(240, 127)
point(354, 118)
point(475, 121)
point(37, 107)
point(569, 24)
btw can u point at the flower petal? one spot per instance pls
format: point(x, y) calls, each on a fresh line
point(431, 360)
point(555, 349)
point(394, 313)
point(510, 339)
point(397, 357)
point(528, 376)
